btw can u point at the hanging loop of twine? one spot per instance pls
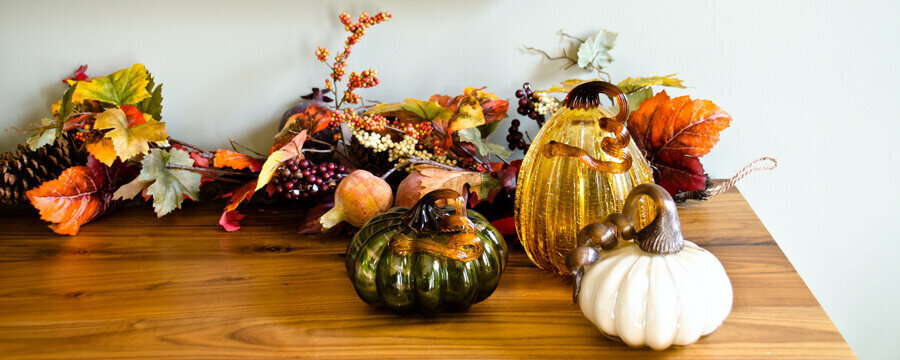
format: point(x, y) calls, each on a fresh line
point(761, 164)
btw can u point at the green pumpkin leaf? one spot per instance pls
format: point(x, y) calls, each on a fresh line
point(169, 185)
point(630, 85)
point(46, 134)
point(593, 53)
point(473, 136)
point(123, 87)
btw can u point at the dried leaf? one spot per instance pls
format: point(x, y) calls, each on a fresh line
point(236, 160)
point(288, 151)
point(130, 140)
point(434, 178)
point(130, 190)
point(73, 199)
point(170, 186)
point(630, 85)
point(673, 134)
point(123, 87)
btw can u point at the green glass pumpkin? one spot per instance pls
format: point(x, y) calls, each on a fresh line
point(427, 259)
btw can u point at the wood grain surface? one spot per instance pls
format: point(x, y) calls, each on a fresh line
point(133, 286)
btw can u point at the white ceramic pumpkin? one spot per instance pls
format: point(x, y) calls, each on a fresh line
point(656, 291)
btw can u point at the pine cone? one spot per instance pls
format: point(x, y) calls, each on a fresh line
point(25, 169)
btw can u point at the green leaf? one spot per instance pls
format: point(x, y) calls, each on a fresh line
point(153, 104)
point(123, 87)
point(473, 136)
point(67, 106)
point(636, 98)
point(428, 110)
point(169, 185)
point(593, 53)
point(488, 129)
point(46, 134)
point(630, 85)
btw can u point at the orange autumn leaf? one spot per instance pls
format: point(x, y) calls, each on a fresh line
point(236, 160)
point(674, 133)
point(678, 126)
point(103, 150)
point(243, 192)
point(70, 201)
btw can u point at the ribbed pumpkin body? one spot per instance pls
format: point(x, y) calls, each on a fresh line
point(422, 281)
point(557, 196)
point(656, 300)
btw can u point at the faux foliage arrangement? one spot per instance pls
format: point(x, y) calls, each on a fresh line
point(104, 142)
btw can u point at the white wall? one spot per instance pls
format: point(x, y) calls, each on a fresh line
point(811, 83)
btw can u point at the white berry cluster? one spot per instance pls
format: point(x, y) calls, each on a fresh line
point(399, 152)
point(546, 104)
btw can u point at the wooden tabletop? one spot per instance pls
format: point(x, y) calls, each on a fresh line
point(134, 286)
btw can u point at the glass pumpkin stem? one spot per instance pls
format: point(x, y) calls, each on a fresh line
point(661, 236)
point(426, 216)
point(585, 97)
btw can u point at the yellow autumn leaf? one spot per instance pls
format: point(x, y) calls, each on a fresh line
point(469, 114)
point(123, 87)
point(567, 85)
point(480, 94)
point(129, 141)
point(103, 150)
point(632, 84)
point(290, 150)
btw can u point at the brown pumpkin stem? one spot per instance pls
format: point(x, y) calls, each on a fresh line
point(661, 236)
point(585, 97)
point(463, 245)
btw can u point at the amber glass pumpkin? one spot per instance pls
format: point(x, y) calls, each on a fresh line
point(580, 168)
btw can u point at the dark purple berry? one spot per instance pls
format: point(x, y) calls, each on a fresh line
point(331, 166)
point(290, 185)
point(523, 102)
point(342, 169)
point(298, 175)
point(307, 172)
point(304, 164)
point(515, 122)
point(520, 93)
point(521, 110)
point(285, 172)
point(533, 115)
point(528, 92)
point(310, 179)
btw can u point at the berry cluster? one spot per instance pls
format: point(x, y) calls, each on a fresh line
point(516, 138)
point(303, 179)
point(322, 54)
point(527, 102)
point(369, 122)
point(357, 31)
point(82, 132)
point(417, 131)
point(367, 79)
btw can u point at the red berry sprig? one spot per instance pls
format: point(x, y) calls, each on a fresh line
point(357, 30)
point(369, 122)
